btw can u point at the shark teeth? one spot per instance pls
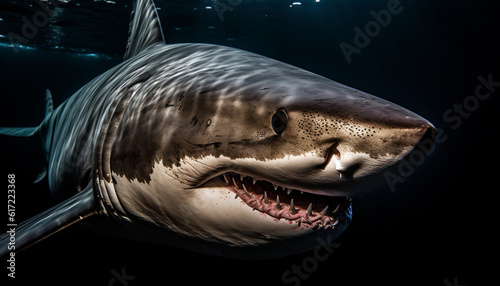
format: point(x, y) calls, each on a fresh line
point(277, 205)
point(235, 185)
point(292, 209)
point(246, 192)
point(304, 209)
point(309, 209)
point(266, 199)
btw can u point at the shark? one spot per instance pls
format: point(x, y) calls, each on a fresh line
point(213, 149)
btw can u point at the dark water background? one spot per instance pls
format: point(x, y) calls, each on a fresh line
point(435, 227)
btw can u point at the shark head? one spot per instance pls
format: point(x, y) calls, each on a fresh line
point(230, 147)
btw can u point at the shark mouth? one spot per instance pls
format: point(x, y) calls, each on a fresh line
point(305, 209)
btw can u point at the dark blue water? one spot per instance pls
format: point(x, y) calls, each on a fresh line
point(428, 57)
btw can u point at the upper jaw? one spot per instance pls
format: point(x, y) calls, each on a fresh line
point(342, 176)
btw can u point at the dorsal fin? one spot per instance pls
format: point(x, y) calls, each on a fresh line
point(145, 28)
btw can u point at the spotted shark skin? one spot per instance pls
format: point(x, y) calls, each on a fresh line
point(215, 149)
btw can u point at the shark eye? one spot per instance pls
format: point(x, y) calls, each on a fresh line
point(279, 121)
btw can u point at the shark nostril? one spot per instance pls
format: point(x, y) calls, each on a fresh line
point(330, 153)
point(346, 172)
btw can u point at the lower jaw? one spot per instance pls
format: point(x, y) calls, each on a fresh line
point(280, 205)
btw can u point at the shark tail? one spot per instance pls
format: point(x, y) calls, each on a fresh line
point(31, 131)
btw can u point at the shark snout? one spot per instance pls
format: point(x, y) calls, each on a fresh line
point(382, 146)
point(353, 142)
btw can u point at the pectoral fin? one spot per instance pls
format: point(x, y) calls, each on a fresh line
point(72, 210)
